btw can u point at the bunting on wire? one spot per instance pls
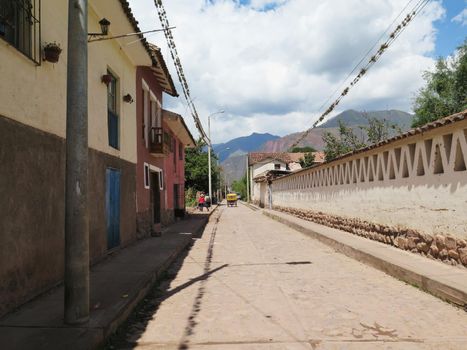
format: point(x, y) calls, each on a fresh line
point(373, 59)
point(179, 68)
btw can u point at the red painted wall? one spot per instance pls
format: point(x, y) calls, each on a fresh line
point(173, 173)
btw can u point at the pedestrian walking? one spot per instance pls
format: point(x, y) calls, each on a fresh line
point(201, 202)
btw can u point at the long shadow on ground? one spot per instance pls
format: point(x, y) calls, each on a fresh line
point(127, 335)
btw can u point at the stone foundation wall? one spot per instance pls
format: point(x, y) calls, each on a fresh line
point(446, 248)
point(143, 224)
point(167, 217)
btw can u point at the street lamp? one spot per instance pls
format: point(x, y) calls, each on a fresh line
point(209, 150)
point(220, 177)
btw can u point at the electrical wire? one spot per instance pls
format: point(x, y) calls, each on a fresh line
point(366, 55)
point(179, 68)
point(419, 6)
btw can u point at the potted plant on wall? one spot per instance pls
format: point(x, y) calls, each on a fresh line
point(52, 52)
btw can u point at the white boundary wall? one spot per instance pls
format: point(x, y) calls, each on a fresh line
point(416, 181)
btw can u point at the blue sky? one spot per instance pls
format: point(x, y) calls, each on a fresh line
point(272, 64)
point(450, 34)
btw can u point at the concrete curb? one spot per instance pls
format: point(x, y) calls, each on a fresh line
point(143, 289)
point(251, 206)
point(146, 286)
point(445, 282)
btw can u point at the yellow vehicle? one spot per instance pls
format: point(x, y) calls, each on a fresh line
point(231, 199)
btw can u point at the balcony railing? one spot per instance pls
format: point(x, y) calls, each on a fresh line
point(157, 146)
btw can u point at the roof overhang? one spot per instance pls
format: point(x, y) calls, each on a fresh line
point(270, 175)
point(162, 73)
point(176, 123)
point(123, 22)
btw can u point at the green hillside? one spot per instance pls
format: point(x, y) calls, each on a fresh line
point(356, 118)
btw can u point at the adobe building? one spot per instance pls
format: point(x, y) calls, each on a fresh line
point(32, 141)
point(162, 137)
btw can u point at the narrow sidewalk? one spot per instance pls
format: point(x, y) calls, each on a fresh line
point(444, 281)
point(117, 285)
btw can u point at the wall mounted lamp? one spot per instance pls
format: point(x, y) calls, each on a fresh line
point(104, 23)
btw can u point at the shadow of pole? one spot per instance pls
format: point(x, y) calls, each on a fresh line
point(191, 324)
point(130, 332)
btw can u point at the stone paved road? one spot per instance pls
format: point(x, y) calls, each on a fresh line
point(252, 283)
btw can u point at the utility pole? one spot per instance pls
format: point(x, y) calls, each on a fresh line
point(76, 182)
point(247, 181)
point(209, 151)
point(209, 158)
point(218, 166)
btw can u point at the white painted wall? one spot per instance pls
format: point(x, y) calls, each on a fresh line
point(266, 165)
point(260, 168)
point(399, 195)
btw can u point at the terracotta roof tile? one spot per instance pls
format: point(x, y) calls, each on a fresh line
point(257, 157)
point(286, 157)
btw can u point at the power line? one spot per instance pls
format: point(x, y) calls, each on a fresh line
point(419, 6)
point(366, 55)
point(179, 68)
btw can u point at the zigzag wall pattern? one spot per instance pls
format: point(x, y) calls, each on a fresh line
point(416, 181)
point(408, 159)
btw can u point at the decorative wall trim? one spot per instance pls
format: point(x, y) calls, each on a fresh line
point(432, 155)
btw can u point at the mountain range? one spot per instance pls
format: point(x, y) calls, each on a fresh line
point(242, 145)
point(350, 117)
point(233, 160)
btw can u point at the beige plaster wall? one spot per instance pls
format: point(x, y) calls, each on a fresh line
point(105, 55)
point(36, 95)
point(407, 188)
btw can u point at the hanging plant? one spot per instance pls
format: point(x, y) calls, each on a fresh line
point(106, 79)
point(52, 52)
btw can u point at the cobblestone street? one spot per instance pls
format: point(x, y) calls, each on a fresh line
point(252, 283)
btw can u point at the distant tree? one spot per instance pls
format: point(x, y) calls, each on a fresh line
point(240, 186)
point(305, 149)
point(196, 169)
point(378, 130)
point(445, 92)
point(346, 141)
point(307, 160)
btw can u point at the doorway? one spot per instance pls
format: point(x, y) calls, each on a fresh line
point(112, 203)
point(155, 198)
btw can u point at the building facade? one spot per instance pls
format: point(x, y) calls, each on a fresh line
point(32, 141)
point(162, 137)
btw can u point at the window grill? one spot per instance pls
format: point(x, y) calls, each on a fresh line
point(20, 26)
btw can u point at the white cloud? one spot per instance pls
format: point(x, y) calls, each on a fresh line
point(461, 18)
point(272, 70)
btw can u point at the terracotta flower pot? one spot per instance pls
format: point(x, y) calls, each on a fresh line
point(52, 53)
point(106, 79)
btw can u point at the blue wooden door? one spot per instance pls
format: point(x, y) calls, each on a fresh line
point(112, 203)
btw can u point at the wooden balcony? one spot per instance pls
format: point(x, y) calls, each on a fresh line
point(157, 146)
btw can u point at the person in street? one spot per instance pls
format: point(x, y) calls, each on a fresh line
point(201, 202)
